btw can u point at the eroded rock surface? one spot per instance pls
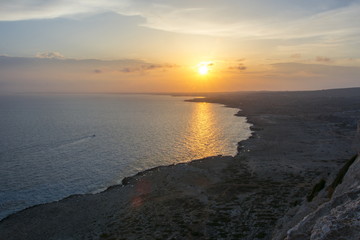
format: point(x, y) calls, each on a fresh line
point(339, 218)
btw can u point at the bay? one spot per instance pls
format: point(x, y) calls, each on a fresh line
point(53, 146)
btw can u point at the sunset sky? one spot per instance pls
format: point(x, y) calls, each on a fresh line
point(178, 46)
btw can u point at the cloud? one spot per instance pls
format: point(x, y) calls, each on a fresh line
point(239, 67)
point(282, 19)
point(252, 19)
point(39, 9)
point(54, 59)
point(35, 74)
point(51, 55)
point(81, 75)
point(126, 70)
point(206, 63)
point(319, 70)
point(323, 59)
point(300, 76)
point(77, 75)
point(151, 67)
point(295, 55)
point(145, 67)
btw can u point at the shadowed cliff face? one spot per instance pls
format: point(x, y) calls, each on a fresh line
point(337, 218)
point(299, 138)
point(357, 138)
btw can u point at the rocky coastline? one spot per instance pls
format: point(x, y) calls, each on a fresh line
point(300, 139)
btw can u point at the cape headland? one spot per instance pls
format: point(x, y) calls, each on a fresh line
point(296, 177)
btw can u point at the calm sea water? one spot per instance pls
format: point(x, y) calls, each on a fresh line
point(52, 146)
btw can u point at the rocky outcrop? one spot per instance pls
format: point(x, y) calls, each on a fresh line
point(338, 218)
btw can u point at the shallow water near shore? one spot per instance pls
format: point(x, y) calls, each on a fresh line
point(52, 146)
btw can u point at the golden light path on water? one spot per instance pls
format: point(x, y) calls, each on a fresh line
point(203, 135)
point(97, 140)
point(201, 140)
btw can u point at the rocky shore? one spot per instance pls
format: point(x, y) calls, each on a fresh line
point(284, 173)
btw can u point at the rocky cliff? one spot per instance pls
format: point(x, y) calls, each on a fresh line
point(333, 214)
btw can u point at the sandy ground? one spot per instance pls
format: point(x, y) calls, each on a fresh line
point(299, 137)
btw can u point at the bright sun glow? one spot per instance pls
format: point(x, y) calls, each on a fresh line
point(203, 70)
point(204, 67)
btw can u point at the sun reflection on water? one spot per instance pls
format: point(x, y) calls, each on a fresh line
point(203, 133)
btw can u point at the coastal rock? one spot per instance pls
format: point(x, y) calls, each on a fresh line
point(343, 220)
point(338, 218)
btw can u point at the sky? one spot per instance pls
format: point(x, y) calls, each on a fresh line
point(178, 46)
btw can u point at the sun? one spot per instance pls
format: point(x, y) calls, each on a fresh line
point(203, 68)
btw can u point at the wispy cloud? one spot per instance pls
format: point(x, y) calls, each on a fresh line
point(317, 70)
point(84, 65)
point(38, 9)
point(239, 67)
point(245, 19)
point(145, 67)
point(295, 55)
point(54, 74)
point(323, 59)
point(295, 76)
point(51, 55)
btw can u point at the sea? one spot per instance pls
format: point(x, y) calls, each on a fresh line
point(56, 145)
